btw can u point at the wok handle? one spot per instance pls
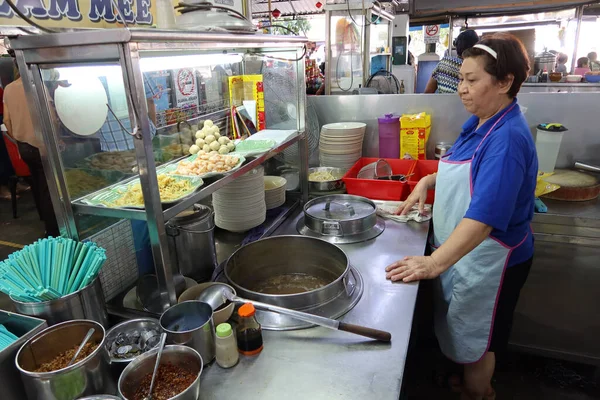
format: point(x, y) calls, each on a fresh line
point(376, 334)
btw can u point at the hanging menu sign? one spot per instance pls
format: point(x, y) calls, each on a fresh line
point(79, 13)
point(186, 87)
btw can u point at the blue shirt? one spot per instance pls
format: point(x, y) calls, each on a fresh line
point(504, 175)
point(112, 135)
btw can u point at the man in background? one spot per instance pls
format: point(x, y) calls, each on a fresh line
point(20, 127)
point(594, 64)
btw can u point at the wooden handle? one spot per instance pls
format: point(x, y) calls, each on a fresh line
point(376, 334)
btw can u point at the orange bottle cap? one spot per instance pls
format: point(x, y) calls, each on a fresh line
point(247, 310)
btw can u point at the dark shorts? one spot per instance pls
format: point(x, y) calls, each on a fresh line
point(514, 279)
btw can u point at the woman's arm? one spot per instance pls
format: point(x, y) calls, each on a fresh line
point(431, 86)
point(467, 235)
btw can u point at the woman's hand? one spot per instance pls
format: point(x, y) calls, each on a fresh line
point(418, 195)
point(413, 269)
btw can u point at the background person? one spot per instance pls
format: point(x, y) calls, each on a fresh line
point(444, 78)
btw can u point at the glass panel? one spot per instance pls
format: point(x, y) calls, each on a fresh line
point(95, 146)
point(346, 52)
point(259, 90)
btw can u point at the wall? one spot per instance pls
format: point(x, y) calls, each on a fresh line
point(577, 111)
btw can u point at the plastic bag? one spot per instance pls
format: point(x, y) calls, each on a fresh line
point(414, 133)
point(542, 187)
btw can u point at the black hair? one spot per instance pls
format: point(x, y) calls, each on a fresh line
point(562, 58)
point(512, 59)
point(582, 61)
point(593, 56)
point(465, 41)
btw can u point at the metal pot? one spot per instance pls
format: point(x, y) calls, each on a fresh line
point(326, 186)
point(181, 356)
point(191, 323)
point(190, 234)
point(340, 215)
point(275, 256)
point(87, 303)
point(86, 377)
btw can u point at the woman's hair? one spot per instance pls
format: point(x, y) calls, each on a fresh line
point(583, 62)
point(562, 58)
point(593, 56)
point(512, 59)
point(465, 40)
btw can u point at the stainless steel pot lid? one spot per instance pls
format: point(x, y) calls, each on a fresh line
point(340, 208)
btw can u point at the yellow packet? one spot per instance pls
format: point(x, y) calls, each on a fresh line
point(414, 133)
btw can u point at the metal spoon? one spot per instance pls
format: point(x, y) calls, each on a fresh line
point(83, 343)
point(219, 294)
point(161, 346)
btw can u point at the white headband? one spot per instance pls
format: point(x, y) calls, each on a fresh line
point(487, 49)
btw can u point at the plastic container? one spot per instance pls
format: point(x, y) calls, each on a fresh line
point(379, 189)
point(248, 332)
point(227, 352)
point(389, 136)
point(547, 145)
point(421, 169)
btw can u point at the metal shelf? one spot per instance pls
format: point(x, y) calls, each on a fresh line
point(207, 190)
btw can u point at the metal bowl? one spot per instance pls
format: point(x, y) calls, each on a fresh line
point(326, 186)
point(88, 376)
point(181, 356)
point(118, 364)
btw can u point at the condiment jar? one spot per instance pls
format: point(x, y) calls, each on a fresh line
point(248, 331)
point(227, 353)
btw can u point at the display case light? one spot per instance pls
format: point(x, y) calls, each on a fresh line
point(149, 64)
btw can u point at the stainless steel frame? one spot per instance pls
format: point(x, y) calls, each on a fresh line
point(124, 46)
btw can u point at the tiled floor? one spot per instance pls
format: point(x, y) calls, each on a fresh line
point(518, 377)
point(23, 230)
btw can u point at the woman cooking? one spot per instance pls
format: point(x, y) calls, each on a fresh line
point(484, 201)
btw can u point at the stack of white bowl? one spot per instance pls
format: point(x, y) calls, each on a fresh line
point(274, 191)
point(240, 206)
point(340, 144)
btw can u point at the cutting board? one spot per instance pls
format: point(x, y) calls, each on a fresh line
point(574, 186)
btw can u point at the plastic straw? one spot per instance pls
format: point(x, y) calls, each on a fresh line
point(49, 269)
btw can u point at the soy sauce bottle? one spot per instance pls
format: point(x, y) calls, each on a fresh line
point(248, 331)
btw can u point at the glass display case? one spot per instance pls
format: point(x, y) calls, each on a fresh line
point(120, 109)
point(358, 36)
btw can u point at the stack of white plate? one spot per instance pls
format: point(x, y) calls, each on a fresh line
point(274, 191)
point(340, 144)
point(240, 206)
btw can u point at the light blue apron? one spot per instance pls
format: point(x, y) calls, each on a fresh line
point(466, 294)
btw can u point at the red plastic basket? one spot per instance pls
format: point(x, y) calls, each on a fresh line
point(376, 189)
point(18, 164)
point(422, 169)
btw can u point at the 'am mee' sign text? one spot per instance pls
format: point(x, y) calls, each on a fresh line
point(79, 13)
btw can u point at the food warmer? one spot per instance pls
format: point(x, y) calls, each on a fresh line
point(112, 105)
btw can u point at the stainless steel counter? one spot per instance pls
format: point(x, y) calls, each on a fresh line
point(558, 313)
point(318, 363)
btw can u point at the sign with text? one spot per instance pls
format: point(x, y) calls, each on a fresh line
point(79, 13)
point(431, 33)
point(186, 87)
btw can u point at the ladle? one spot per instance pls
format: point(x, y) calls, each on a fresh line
point(161, 346)
point(219, 294)
point(83, 343)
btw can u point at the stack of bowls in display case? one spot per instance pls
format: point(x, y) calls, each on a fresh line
point(274, 191)
point(240, 206)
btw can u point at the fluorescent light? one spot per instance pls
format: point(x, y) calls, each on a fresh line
point(91, 71)
point(176, 62)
